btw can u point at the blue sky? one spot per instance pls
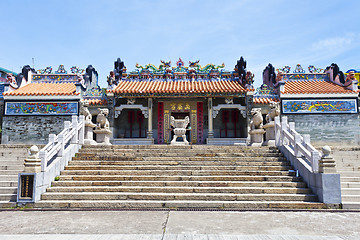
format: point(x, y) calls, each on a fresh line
point(281, 32)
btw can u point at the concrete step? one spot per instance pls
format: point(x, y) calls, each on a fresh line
point(350, 205)
point(8, 178)
point(176, 196)
point(350, 198)
point(350, 191)
point(179, 183)
point(138, 204)
point(349, 179)
point(175, 163)
point(147, 189)
point(9, 172)
point(8, 190)
point(8, 204)
point(181, 159)
point(349, 174)
point(177, 168)
point(18, 168)
point(175, 148)
point(12, 162)
point(8, 197)
point(176, 173)
point(178, 178)
point(8, 183)
point(176, 154)
point(350, 185)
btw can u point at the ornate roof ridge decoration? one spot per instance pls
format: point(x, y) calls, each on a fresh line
point(265, 91)
point(95, 92)
point(299, 70)
point(165, 67)
point(61, 70)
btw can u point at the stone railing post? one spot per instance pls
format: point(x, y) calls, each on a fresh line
point(82, 130)
point(43, 157)
point(283, 128)
point(74, 125)
point(315, 156)
point(306, 138)
point(277, 131)
point(297, 142)
point(52, 139)
point(327, 163)
point(67, 126)
point(61, 140)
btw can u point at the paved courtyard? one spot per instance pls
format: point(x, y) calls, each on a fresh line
point(262, 225)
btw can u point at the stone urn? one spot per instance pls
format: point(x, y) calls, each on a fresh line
point(179, 130)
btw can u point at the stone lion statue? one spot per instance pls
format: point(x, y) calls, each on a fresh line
point(85, 111)
point(101, 120)
point(257, 119)
point(273, 112)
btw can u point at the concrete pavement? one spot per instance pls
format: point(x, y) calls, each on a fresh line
point(169, 225)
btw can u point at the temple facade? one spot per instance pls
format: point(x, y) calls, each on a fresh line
point(217, 102)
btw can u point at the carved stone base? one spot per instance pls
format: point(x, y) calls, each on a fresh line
point(103, 136)
point(32, 165)
point(327, 165)
point(179, 132)
point(179, 143)
point(256, 137)
point(270, 134)
point(89, 133)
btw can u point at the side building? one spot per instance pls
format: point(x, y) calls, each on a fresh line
point(47, 99)
point(322, 102)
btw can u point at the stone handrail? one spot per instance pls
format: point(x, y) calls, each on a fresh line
point(73, 133)
point(299, 146)
point(44, 165)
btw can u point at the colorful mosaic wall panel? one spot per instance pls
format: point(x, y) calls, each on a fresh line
point(319, 106)
point(1, 90)
point(41, 108)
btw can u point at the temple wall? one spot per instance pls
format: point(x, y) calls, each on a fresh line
point(32, 129)
point(332, 129)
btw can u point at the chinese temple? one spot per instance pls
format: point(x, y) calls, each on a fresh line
point(216, 101)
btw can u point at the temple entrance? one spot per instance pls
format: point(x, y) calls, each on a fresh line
point(180, 110)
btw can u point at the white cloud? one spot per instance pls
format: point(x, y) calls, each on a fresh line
point(333, 43)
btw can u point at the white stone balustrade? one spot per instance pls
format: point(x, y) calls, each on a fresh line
point(55, 156)
point(297, 149)
point(285, 134)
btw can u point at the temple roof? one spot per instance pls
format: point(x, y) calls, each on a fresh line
point(314, 87)
point(186, 86)
point(45, 89)
point(265, 100)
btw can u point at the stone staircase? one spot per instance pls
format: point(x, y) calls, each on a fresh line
point(11, 164)
point(161, 176)
point(348, 165)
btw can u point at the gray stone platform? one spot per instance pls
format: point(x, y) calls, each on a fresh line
point(171, 225)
